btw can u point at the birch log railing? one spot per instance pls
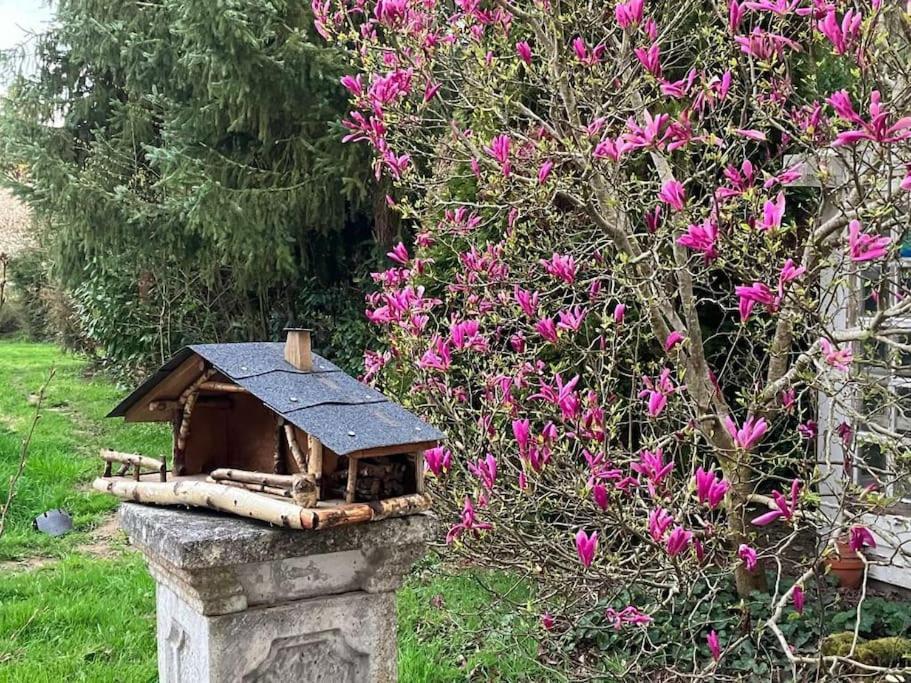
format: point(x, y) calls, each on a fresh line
point(239, 501)
point(134, 460)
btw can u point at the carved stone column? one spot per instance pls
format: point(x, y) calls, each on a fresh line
point(238, 600)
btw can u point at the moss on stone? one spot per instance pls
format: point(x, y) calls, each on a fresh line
point(838, 644)
point(890, 651)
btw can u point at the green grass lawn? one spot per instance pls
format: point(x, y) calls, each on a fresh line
point(77, 608)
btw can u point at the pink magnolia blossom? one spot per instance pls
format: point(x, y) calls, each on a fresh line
point(698, 550)
point(650, 28)
point(528, 301)
point(786, 507)
point(586, 547)
point(673, 194)
point(431, 90)
point(799, 598)
point(657, 392)
point(485, 470)
point(788, 398)
point(629, 13)
point(779, 7)
point(399, 254)
point(610, 148)
point(628, 616)
point(741, 181)
point(735, 15)
point(787, 176)
point(467, 524)
point(845, 432)
point(438, 357)
point(547, 329)
point(878, 129)
point(561, 394)
point(710, 488)
point(701, 238)
point(751, 134)
point(843, 35)
point(599, 495)
point(466, 335)
point(595, 126)
point(521, 430)
point(789, 273)
point(391, 12)
point(678, 541)
point(860, 537)
point(653, 219)
point(523, 49)
point(816, 9)
point(561, 266)
point(438, 460)
point(652, 134)
point(658, 521)
point(499, 150)
point(808, 429)
point(750, 295)
point(714, 645)
point(619, 313)
point(588, 57)
point(544, 171)
point(679, 89)
point(772, 213)
point(748, 555)
point(840, 101)
point(863, 246)
point(765, 45)
point(673, 339)
point(651, 465)
point(840, 359)
point(353, 85)
point(650, 58)
point(571, 319)
point(749, 435)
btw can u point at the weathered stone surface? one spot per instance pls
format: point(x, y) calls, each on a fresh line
point(238, 600)
point(191, 539)
point(342, 638)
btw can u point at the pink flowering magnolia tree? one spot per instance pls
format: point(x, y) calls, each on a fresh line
point(630, 223)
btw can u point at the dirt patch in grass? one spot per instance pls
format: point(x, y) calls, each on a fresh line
point(105, 541)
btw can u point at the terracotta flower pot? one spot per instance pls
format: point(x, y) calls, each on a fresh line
point(846, 566)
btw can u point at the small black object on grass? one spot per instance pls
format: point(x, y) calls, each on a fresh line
point(54, 523)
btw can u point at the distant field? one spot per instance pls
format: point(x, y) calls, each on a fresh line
point(15, 226)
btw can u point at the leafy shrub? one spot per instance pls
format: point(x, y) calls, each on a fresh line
point(11, 316)
point(29, 280)
point(688, 617)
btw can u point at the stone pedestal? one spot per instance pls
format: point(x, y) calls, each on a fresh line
point(238, 600)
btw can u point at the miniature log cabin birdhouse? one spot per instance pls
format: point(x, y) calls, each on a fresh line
point(273, 432)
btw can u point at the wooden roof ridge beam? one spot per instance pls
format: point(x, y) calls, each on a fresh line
point(223, 387)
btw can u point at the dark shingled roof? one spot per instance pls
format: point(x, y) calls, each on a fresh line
point(344, 414)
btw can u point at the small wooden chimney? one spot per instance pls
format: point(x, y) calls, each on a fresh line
point(297, 348)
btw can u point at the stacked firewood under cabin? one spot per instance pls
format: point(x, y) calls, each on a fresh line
point(374, 478)
point(275, 433)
